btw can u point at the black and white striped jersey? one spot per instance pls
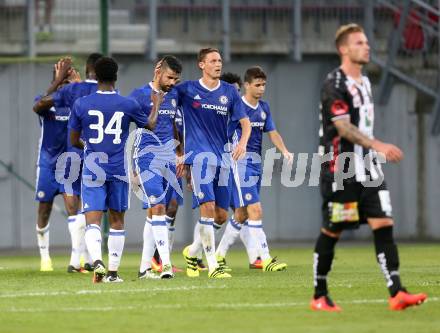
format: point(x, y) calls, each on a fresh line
point(343, 97)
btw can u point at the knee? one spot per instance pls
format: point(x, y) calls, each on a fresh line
point(71, 209)
point(117, 225)
point(240, 215)
point(379, 223)
point(158, 210)
point(172, 209)
point(255, 212)
point(332, 234)
point(207, 209)
point(221, 216)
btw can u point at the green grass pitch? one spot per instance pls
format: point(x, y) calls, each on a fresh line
point(252, 301)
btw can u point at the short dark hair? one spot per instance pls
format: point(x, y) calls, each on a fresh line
point(93, 58)
point(172, 63)
point(204, 52)
point(106, 70)
point(344, 31)
point(253, 73)
point(231, 78)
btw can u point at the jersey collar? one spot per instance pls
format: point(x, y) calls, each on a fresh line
point(254, 107)
point(90, 81)
point(203, 85)
point(106, 92)
point(356, 83)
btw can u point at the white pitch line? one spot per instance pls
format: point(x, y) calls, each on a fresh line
point(178, 306)
point(107, 291)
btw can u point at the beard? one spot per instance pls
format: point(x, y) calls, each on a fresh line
point(361, 61)
point(166, 88)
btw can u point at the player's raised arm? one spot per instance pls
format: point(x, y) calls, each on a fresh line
point(156, 98)
point(42, 104)
point(60, 73)
point(62, 69)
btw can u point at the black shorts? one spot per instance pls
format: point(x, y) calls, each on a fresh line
point(350, 207)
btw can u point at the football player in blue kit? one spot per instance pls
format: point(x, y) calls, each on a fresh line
point(246, 190)
point(53, 144)
point(209, 106)
point(64, 97)
point(155, 164)
point(102, 119)
point(243, 229)
point(173, 202)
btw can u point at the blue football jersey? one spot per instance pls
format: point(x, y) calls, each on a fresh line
point(261, 122)
point(103, 118)
point(53, 141)
point(206, 114)
point(164, 130)
point(68, 94)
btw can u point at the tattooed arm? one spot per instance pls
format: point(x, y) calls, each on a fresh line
point(351, 133)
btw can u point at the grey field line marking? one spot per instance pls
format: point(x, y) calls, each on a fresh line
point(107, 291)
point(141, 290)
point(180, 306)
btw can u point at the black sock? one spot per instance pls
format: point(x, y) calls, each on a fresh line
point(388, 258)
point(322, 263)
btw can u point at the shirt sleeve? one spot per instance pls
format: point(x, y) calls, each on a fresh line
point(43, 113)
point(138, 114)
point(61, 97)
point(334, 102)
point(143, 100)
point(180, 92)
point(75, 117)
point(269, 124)
point(237, 112)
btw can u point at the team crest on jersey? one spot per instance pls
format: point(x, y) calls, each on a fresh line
point(201, 195)
point(263, 115)
point(173, 103)
point(223, 99)
point(248, 197)
point(41, 194)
